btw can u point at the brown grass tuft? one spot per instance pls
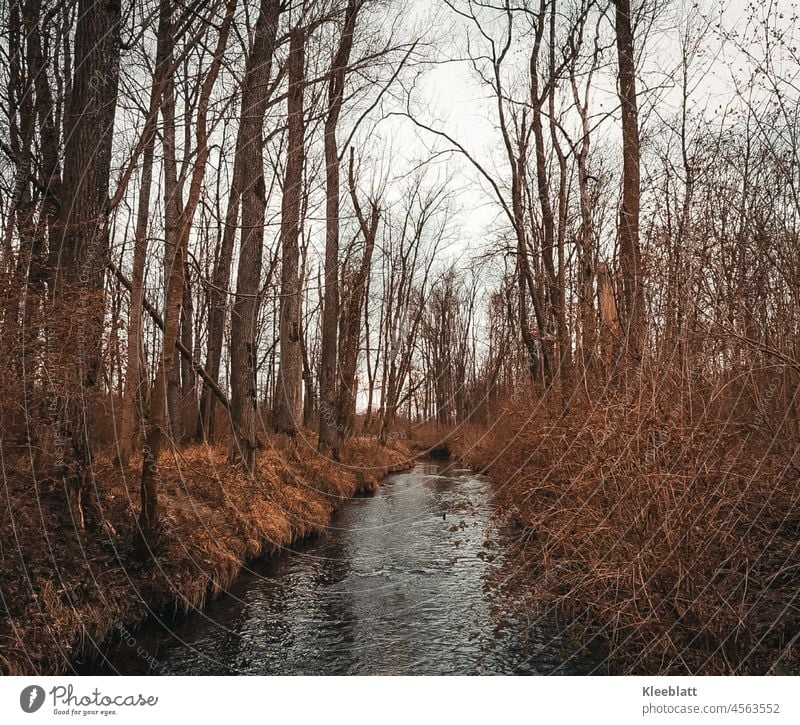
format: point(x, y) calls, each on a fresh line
point(63, 590)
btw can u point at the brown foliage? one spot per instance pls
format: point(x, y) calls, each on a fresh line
point(671, 534)
point(62, 591)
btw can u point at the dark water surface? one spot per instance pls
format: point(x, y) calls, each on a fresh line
point(390, 588)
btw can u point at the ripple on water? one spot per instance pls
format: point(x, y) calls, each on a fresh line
point(404, 582)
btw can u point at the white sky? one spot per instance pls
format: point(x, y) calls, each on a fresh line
point(451, 98)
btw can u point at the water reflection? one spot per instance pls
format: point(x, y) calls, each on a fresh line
point(404, 582)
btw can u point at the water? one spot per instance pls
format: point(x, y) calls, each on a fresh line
point(408, 582)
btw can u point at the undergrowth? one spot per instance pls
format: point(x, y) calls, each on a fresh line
point(63, 590)
point(669, 531)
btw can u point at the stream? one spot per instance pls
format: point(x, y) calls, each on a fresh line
point(405, 582)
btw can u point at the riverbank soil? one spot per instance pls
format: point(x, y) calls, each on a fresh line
point(64, 589)
point(669, 530)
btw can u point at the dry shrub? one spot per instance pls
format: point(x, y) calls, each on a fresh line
point(63, 589)
point(434, 440)
point(663, 528)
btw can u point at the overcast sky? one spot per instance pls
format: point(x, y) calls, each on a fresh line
point(451, 98)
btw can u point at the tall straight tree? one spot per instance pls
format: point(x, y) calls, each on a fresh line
point(356, 285)
point(218, 305)
point(177, 222)
point(133, 372)
point(288, 408)
point(250, 144)
point(83, 242)
point(629, 250)
point(173, 209)
point(263, 47)
point(585, 239)
point(329, 434)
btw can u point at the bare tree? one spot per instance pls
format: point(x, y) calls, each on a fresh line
point(329, 435)
point(82, 243)
point(354, 290)
point(134, 372)
point(250, 143)
point(178, 220)
point(287, 415)
point(629, 248)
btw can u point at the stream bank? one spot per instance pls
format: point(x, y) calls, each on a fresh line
point(65, 592)
point(409, 581)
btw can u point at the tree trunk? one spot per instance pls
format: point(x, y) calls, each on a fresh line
point(134, 373)
point(288, 393)
point(329, 434)
point(177, 228)
point(218, 301)
point(173, 212)
point(255, 96)
point(629, 251)
point(549, 241)
point(350, 343)
point(188, 378)
point(82, 241)
point(609, 324)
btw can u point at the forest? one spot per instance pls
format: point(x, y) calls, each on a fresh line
point(259, 254)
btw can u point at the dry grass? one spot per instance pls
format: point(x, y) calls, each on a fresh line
point(430, 439)
point(62, 590)
point(673, 537)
